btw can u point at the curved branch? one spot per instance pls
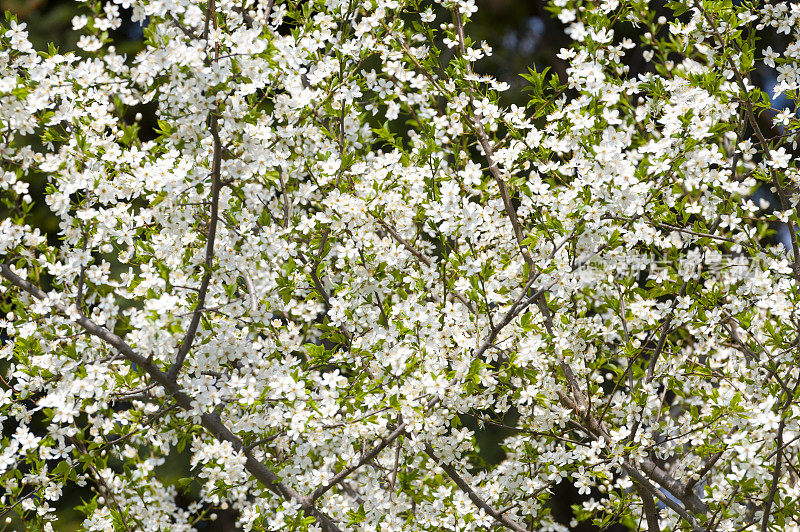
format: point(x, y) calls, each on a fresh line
point(488, 152)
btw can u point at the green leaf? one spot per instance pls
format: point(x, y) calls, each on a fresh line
point(164, 128)
point(678, 8)
point(525, 321)
point(63, 468)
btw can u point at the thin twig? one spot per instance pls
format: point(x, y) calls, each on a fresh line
point(473, 496)
point(651, 367)
point(216, 163)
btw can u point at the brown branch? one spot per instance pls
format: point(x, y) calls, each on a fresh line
point(343, 474)
point(785, 204)
point(668, 501)
point(251, 289)
point(423, 259)
point(216, 163)
point(776, 475)
point(210, 421)
point(779, 445)
point(320, 288)
point(186, 31)
point(651, 367)
point(649, 509)
point(287, 203)
point(473, 496)
point(703, 471)
point(595, 429)
point(488, 151)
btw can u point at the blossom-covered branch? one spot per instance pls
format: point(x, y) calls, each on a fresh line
point(340, 254)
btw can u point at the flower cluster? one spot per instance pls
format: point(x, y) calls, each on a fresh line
point(343, 255)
